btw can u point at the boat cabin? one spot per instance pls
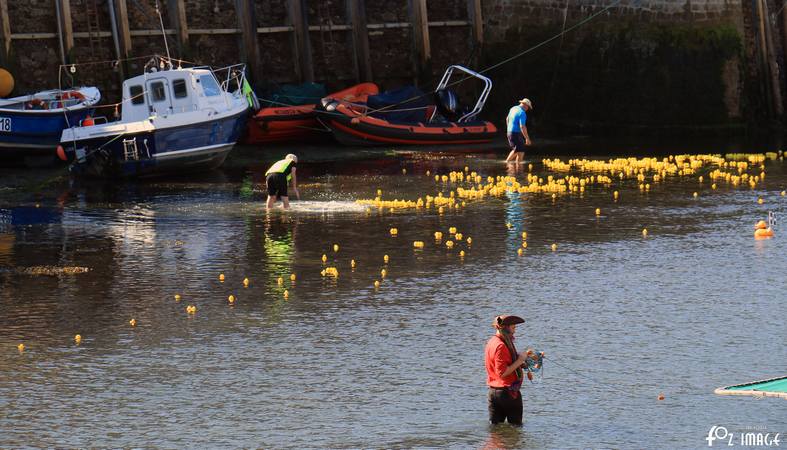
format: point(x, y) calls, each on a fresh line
point(167, 92)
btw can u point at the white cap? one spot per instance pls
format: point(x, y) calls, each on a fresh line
point(292, 157)
point(527, 102)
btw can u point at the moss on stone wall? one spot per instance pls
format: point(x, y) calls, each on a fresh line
point(625, 74)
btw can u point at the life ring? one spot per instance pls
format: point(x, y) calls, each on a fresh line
point(72, 95)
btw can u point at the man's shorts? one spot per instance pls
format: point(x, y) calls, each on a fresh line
point(516, 141)
point(277, 184)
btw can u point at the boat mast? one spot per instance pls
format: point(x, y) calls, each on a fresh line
point(164, 34)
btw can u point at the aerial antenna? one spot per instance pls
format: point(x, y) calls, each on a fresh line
point(164, 34)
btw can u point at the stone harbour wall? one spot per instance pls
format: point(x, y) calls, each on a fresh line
point(636, 63)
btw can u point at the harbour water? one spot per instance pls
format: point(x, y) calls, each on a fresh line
point(694, 305)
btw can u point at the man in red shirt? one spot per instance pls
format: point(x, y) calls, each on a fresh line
point(504, 372)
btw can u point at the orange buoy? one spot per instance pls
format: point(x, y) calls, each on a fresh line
point(763, 233)
point(6, 83)
point(61, 153)
point(88, 122)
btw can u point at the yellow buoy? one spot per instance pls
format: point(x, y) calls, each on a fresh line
point(713, 186)
point(615, 195)
point(132, 322)
point(428, 173)
point(452, 230)
point(554, 247)
point(644, 232)
point(383, 273)
point(245, 282)
point(696, 194)
point(379, 192)
point(293, 277)
point(231, 299)
point(280, 281)
point(286, 293)
point(385, 259)
point(177, 297)
point(509, 225)
point(404, 171)
point(393, 231)
point(336, 247)
point(598, 211)
point(784, 193)
point(520, 252)
point(20, 347)
point(440, 210)
point(191, 309)
point(524, 244)
point(461, 253)
point(458, 236)
point(352, 263)
point(524, 235)
point(469, 240)
point(78, 339)
point(449, 244)
point(438, 235)
point(221, 277)
point(6, 83)
point(376, 284)
point(760, 201)
point(418, 244)
point(324, 257)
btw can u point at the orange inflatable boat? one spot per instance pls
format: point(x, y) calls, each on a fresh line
point(409, 116)
point(299, 122)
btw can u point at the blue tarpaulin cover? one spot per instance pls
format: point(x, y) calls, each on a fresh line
point(407, 97)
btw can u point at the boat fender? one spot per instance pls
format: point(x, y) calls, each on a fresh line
point(329, 104)
point(88, 122)
point(61, 153)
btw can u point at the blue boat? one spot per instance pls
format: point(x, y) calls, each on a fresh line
point(31, 125)
point(173, 120)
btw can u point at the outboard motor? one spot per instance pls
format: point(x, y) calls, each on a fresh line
point(447, 104)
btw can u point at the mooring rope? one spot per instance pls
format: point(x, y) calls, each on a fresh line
point(518, 55)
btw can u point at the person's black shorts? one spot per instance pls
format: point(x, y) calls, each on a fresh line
point(277, 184)
point(516, 141)
point(503, 405)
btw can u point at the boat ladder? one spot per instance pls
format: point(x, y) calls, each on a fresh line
point(130, 151)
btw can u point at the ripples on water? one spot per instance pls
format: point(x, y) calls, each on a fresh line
point(692, 307)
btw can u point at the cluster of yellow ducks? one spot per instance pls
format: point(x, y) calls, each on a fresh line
point(577, 175)
point(572, 176)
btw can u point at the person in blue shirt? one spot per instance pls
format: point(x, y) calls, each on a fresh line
point(516, 131)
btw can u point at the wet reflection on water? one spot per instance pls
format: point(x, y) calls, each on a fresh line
point(338, 363)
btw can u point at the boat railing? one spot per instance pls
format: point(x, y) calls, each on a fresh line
point(479, 105)
point(231, 77)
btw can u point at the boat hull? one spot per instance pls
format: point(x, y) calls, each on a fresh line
point(34, 133)
point(352, 128)
point(299, 123)
point(165, 150)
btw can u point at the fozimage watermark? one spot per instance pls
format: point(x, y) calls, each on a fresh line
point(751, 437)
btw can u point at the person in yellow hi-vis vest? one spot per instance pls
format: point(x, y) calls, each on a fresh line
point(278, 177)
